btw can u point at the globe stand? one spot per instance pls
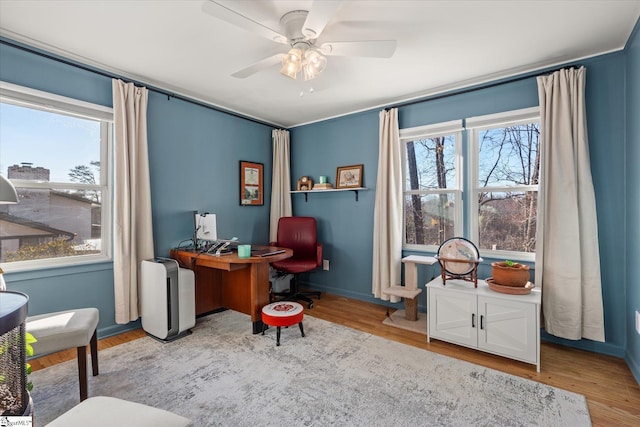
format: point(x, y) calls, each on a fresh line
point(470, 276)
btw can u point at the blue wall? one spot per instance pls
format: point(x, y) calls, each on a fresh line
point(194, 155)
point(633, 200)
point(345, 226)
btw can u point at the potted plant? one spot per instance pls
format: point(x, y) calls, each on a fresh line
point(509, 273)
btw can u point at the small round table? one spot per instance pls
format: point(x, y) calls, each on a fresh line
point(282, 313)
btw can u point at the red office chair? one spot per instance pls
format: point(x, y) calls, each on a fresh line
point(299, 234)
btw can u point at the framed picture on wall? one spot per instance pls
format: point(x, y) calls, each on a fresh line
point(349, 176)
point(251, 184)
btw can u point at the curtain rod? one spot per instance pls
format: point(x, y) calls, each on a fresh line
point(103, 73)
point(482, 86)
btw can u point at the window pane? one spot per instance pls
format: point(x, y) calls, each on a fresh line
point(430, 163)
point(55, 160)
point(429, 218)
point(509, 156)
point(55, 147)
point(48, 223)
point(507, 221)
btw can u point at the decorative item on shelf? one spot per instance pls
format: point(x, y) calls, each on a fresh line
point(459, 259)
point(251, 184)
point(349, 176)
point(509, 273)
point(323, 179)
point(305, 183)
point(322, 186)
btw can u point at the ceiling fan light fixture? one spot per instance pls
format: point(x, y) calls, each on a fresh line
point(292, 63)
point(314, 64)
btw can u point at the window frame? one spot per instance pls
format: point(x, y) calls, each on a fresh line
point(466, 211)
point(455, 128)
point(45, 101)
point(474, 125)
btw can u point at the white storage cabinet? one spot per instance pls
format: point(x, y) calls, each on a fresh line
point(502, 324)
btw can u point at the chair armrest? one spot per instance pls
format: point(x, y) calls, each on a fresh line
point(319, 254)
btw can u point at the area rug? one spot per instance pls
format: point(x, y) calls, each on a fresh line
point(222, 375)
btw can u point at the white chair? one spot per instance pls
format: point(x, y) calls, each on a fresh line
point(102, 411)
point(63, 330)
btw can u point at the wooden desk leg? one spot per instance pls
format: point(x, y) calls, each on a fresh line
point(259, 293)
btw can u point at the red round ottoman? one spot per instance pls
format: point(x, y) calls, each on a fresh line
point(282, 313)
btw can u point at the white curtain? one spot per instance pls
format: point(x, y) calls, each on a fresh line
point(567, 254)
point(387, 216)
point(133, 233)
point(280, 182)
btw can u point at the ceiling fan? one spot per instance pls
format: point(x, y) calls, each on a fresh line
point(300, 29)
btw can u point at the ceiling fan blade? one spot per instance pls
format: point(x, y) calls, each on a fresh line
point(318, 17)
point(371, 48)
point(258, 66)
point(226, 14)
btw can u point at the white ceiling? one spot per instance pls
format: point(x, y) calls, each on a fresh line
point(442, 45)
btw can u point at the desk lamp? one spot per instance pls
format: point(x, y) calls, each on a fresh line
point(8, 194)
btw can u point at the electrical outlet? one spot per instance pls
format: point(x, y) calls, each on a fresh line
point(325, 264)
point(638, 322)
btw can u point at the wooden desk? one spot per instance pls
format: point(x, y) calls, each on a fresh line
point(226, 281)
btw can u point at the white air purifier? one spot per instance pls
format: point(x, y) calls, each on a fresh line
point(168, 306)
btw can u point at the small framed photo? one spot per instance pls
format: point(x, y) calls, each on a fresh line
point(251, 183)
point(349, 176)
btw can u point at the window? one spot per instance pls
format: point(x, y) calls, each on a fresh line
point(505, 172)
point(55, 151)
point(432, 184)
point(498, 184)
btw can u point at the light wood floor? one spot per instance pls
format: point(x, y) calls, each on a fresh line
point(612, 393)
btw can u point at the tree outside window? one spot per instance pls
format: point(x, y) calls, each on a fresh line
point(507, 187)
point(429, 200)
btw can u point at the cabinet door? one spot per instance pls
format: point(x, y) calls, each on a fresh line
point(508, 328)
point(452, 317)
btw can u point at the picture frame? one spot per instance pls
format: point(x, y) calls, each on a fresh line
point(349, 176)
point(251, 183)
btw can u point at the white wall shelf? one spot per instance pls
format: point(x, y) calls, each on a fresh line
point(330, 190)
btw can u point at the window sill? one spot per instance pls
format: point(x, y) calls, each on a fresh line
point(32, 270)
